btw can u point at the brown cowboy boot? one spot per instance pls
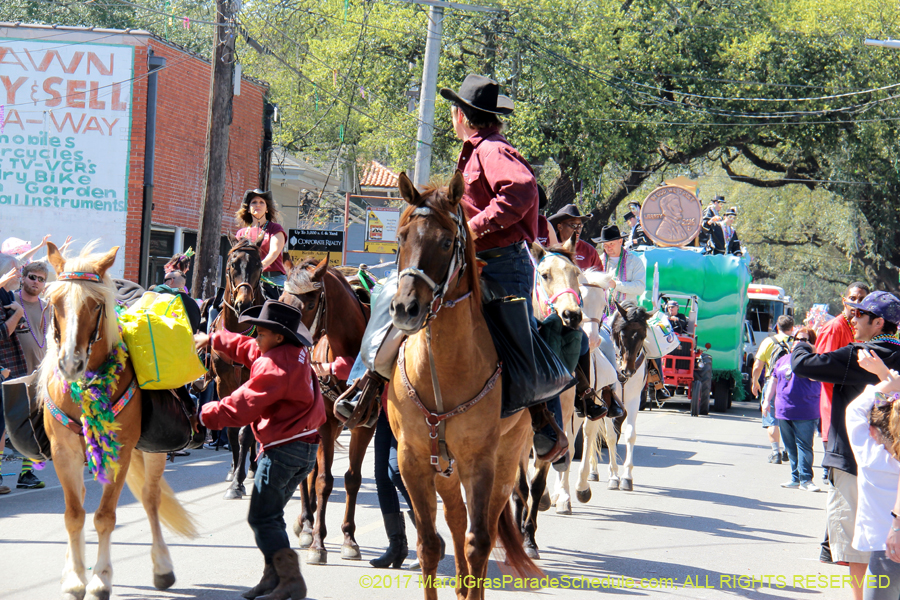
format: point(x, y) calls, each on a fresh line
point(540, 417)
point(586, 401)
point(356, 402)
point(290, 581)
point(265, 586)
point(616, 409)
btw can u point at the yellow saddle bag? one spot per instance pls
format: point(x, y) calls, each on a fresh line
point(159, 339)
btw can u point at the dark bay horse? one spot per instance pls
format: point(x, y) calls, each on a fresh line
point(445, 393)
point(243, 269)
point(336, 318)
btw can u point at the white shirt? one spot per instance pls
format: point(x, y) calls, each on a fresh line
point(635, 276)
point(878, 473)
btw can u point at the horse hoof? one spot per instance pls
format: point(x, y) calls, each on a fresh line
point(235, 492)
point(79, 595)
point(315, 556)
point(593, 477)
point(350, 552)
point(564, 509)
point(164, 581)
point(532, 552)
point(583, 496)
point(613, 484)
point(230, 476)
point(626, 485)
point(98, 595)
point(251, 474)
point(544, 504)
point(305, 539)
point(298, 528)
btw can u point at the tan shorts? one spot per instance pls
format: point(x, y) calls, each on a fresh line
point(841, 514)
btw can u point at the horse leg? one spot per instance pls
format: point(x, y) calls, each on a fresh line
point(317, 554)
point(457, 519)
point(68, 462)
point(424, 501)
point(359, 442)
point(520, 496)
point(234, 444)
point(607, 429)
point(629, 430)
point(563, 497)
point(100, 585)
point(589, 431)
point(538, 485)
point(153, 466)
point(303, 524)
point(254, 457)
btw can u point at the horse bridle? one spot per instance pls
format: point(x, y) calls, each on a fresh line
point(234, 288)
point(98, 334)
point(551, 299)
point(455, 269)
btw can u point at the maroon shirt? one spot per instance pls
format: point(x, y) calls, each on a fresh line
point(543, 231)
point(271, 229)
point(586, 256)
point(501, 198)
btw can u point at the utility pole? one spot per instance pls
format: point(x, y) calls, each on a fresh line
point(206, 266)
point(428, 91)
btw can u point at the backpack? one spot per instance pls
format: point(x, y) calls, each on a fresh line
point(781, 348)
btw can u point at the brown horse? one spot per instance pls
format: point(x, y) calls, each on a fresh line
point(445, 384)
point(243, 269)
point(337, 320)
point(84, 337)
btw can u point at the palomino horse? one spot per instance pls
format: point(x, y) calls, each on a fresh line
point(336, 318)
point(86, 359)
point(556, 289)
point(444, 397)
point(243, 269)
point(629, 330)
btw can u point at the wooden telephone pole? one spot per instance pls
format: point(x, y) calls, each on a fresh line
point(206, 265)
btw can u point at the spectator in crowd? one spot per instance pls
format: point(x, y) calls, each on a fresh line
point(676, 319)
point(13, 328)
point(796, 401)
point(874, 444)
point(179, 264)
point(875, 324)
point(723, 238)
point(771, 349)
point(568, 222)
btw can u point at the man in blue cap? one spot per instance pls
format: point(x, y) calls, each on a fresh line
point(874, 321)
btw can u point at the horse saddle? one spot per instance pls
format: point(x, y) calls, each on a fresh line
point(24, 414)
point(169, 421)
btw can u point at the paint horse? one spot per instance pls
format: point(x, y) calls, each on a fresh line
point(337, 319)
point(444, 396)
point(556, 289)
point(94, 409)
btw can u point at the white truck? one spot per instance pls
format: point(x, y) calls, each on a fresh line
point(766, 304)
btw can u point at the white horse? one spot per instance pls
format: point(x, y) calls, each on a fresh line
point(602, 375)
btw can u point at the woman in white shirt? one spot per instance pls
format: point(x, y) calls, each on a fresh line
point(868, 427)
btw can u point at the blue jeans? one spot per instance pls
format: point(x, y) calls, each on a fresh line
point(387, 470)
point(798, 442)
point(279, 472)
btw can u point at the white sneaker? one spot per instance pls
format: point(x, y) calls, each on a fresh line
point(791, 484)
point(809, 486)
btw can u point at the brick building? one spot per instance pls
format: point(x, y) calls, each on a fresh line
point(84, 100)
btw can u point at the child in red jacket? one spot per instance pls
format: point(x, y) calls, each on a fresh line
point(282, 403)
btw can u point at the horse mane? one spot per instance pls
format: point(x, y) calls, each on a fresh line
point(436, 199)
point(558, 249)
point(76, 293)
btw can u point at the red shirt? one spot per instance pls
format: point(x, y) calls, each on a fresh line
point(833, 335)
point(501, 197)
point(543, 231)
point(586, 256)
point(281, 400)
point(251, 233)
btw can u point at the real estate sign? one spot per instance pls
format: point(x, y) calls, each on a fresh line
point(65, 141)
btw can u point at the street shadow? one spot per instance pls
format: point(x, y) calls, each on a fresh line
point(724, 499)
point(201, 591)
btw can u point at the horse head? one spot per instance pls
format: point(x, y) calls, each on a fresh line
point(82, 310)
point(305, 289)
point(629, 328)
point(434, 248)
point(558, 277)
point(243, 270)
point(593, 285)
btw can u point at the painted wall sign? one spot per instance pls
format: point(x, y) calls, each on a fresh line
point(65, 141)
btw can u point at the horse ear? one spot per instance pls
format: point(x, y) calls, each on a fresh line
point(408, 191)
point(320, 269)
point(621, 310)
point(456, 188)
point(569, 245)
point(56, 258)
point(537, 251)
point(106, 261)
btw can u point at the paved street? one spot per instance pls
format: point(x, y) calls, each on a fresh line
point(706, 506)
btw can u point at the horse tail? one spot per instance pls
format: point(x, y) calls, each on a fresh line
point(511, 538)
point(171, 513)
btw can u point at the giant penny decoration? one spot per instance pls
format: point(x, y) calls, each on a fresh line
point(671, 215)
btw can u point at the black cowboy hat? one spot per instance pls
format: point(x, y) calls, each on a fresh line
point(609, 233)
point(731, 212)
point(480, 93)
point(542, 197)
point(569, 211)
point(280, 318)
point(628, 215)
point(250, 194)
point(719, 199)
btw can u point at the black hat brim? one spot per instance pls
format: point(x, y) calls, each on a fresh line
point(301, 337)
point(505, 105)
point(602, 241)
point(267, 195)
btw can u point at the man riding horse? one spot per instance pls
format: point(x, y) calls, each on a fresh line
point(501, 204)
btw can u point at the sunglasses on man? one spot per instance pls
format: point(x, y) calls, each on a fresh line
point(37, 278)
point(863, 313)
point(578, 227)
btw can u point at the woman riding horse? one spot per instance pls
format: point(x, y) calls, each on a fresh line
point(259, 216)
